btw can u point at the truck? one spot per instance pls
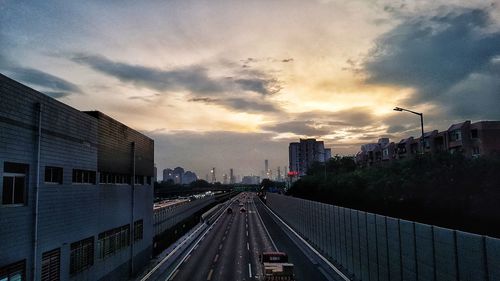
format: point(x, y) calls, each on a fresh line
point(275, 267)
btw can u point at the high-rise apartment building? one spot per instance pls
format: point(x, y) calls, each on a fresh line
point(305, 152)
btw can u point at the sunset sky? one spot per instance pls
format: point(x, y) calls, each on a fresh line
point(227, 84)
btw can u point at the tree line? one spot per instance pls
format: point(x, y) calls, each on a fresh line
point(447, 190)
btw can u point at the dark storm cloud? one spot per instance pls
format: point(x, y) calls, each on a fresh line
point(304, 128)
point(239, 104)
point(441, 57)
point(193, 78)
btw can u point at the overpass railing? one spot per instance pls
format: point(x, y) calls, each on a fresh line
point(373, 247)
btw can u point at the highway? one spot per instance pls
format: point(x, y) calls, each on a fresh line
point(230, 250)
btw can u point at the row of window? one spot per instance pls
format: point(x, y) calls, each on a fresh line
point(81, 254)
point(110, 178)
point(15, 180)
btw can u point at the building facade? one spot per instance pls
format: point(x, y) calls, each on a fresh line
point(75, 190)
point(302, 154)
point(470, 139)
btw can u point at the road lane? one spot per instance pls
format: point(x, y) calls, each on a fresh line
point(199, 256)
point(304, 268)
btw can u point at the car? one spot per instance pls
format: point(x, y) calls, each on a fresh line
point(242, 209)
point(229, 211)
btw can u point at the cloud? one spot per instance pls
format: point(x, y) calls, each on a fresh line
point(193, 78)
point(356, 116)
point(47, 83)
point(239, 104)
point(446, 58)
point(303, 128)
point(263, 86)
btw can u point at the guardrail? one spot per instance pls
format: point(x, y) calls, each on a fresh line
point(165, 218)
point(372, 247)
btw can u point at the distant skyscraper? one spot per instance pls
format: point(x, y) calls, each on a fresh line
point(232, 179)
point(214, 179)
point(302, 154)
point(278, 176)
point(168, 174)
point(266, 169)
point(189, 177)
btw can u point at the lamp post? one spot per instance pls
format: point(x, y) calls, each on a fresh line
point(421, 123)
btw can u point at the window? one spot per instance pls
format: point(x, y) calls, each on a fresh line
point(138, 230)
point(108, 178)
point(82, 255)
point(14, 183)
point(51, 265)
point(113, 240)
point(83, 176)
point(13, 272)
point(456, 135)
point(139, 180)
point(475, 150)
point(473, 133)
point(53, 175)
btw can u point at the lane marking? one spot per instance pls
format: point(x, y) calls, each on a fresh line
point(342, 275)
point(209, 277)
point(173, 276)
point(246, 225)
point(220, 246)
point(248, 246)
point(187, 258)
point(247, 233)
point(249, 270)
point(265, 228)
point(189, 252)
point(216, 258)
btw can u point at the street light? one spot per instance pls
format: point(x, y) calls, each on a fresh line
point(421, 122)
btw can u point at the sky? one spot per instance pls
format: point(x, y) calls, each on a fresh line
point(227, 84)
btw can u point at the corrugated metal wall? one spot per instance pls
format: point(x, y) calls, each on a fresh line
point(372, 247)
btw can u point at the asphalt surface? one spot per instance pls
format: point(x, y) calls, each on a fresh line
point(230, 250)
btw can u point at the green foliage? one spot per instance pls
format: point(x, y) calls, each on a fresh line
point(443, 189)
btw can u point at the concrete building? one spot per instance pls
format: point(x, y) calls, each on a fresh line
point(75, 191)
point(250, 180)
point(189, 177)
point(302, 154)
point(168, 174)
point(470, 139)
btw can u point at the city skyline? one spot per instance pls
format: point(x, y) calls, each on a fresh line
point(228, 84)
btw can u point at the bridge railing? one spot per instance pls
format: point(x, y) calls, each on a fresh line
point(165, 218)
point(372, 247)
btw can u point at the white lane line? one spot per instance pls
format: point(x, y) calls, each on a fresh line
point(187, 258)
point(188, 253)
point(216, 258)
point(209, 277)
point(248, 246)
point(342, 275)
point(249, 270)
point(220, 246)
point(265, 228)
point(173, 276)
point(247, 233)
